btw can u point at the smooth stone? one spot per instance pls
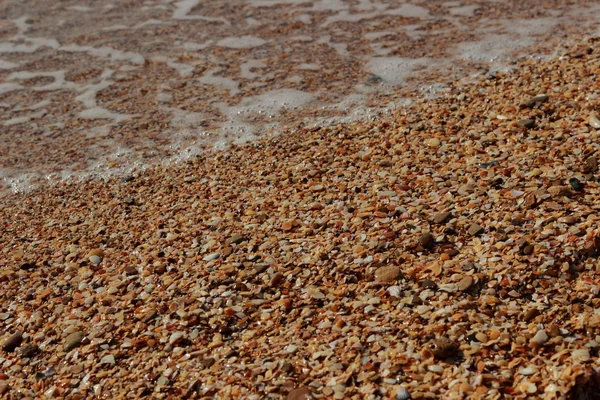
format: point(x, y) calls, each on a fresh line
point(590, 165)
point(440, 218)
point(388, 273)
point(175, 337)
point(433, 142)
point(73, 340)
point(12, 342)
point(301, 393)
point(576, 184)
point(540, 337)
point(131, 270)
point(95, 259)
point(526, 123)
point(237, 239)
point(109, 359)
point(580, 355)
point(426, 240)
point(443, 348)
point(402, 394)
point(29, 350)
point(569, 220)
point(277, 279)
point(465, 283)
point(475, 229)
point(594, 121)
point(534, 101)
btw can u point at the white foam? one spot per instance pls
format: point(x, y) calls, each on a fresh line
point(59, 82)
point(7, 65)
point(103, 113)
point(192, 46)
point(149, 22)
point(242, 42)
point(308, 67)
point(184, 7)
point(345, 16)
point(305, 18)
point(247, 67)
point(269, 104)
point(209, 78)
point(410, 11)
point(395, 70)
point(182, 68)
point(112, 28)
point(106, 52)
point(22, 24)
point(31, 45)
point(271, 3)
point(25, 118)
point(464, 11)
point(81, 8)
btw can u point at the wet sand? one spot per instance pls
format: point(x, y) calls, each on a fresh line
point(100, 88)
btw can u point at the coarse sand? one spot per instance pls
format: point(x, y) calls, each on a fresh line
point(445, 251)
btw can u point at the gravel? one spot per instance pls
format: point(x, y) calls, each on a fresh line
point(318, 289)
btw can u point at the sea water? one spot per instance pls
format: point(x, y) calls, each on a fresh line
point(97, 88)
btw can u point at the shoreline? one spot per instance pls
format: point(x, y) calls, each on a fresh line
point(442, 251)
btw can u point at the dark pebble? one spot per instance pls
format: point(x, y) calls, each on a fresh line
point(13, 342)
point(302, 393)
point(426, 240)
point(535, 101)
point(429, 284)
point(29, 350)
point(488, 164)
point(576, 184)
point(527, 123)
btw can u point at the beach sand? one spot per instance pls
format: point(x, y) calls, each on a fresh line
point(443, 251)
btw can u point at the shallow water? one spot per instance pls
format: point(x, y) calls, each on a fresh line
point(101, 88)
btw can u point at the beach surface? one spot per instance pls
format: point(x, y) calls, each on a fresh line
point(447, 250)
point(356, 218)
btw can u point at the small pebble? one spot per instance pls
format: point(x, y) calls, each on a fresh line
point(95, 259)
point(530, 314)
point(388, 273)
point(237, 239)
point(465, 283)
point(426, 240)
point(594, 121)
point(440, 218)
point(443, 348)
point(73, 340)
point(109, 359)
point(433, 142)
point(535, 101)
point(590, 165)
point(540, 337)
point(580, 355)
point(29, 350)
point(576, 184)
point(402, 394)
point(277, 279)
point(475, 229)
point(12, 342)
point(526, 123)
point(131, 270)
point(527, 249)
point(569, 220)
point(302, 393)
